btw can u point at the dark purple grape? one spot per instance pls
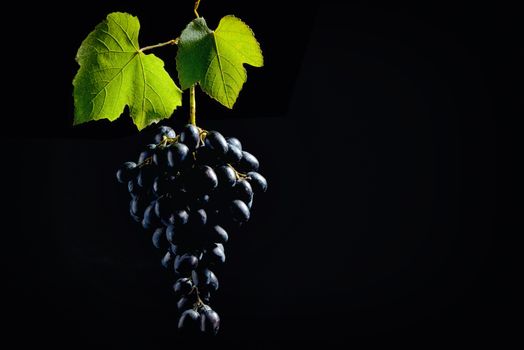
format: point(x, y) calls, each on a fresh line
point(147, 153)
point(134, 189)
point(185, 263)
point(233, 155)
point(186, 302)
point(235, 142)
point(215, 254)
point(205, 279)
point(150, 219)
point(167, 260)
point(202, 180)
point(138, 204)
point(215, 141)
point(209, 321)
point(164, 131)
point(177, 155)
point(146, 176)
point(159, 239)
point(257, 181)
point(239, 211)
point(217, 234)
point(177, 218)
point(190, 136)
point(243, 191)
point(160, 158)
point(126, 172)
point(189, 322)
point(183, 286)
point(135, 217)
point(226, 176)
point(248, 162)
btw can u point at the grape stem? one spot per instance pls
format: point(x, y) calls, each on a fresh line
point(199, 303)
point(147, 161)
point(203, 134)
point(238, 174)
point(170, 42)
point(192, 105)
point(197, 3)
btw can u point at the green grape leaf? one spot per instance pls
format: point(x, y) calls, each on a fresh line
point(114, 72)
point(215, 59)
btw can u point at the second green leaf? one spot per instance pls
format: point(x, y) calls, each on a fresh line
point(214, 59)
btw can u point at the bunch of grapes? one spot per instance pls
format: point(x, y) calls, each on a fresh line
point(189, 190)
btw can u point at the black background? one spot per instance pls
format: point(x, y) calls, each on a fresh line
point(376, 126)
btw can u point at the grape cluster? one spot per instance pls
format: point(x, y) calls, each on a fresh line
point(188, 189)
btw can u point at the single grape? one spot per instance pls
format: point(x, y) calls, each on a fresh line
point(134, 189)
point(190, 136)
point(239, 211)
point(159, 239)
point(186, 302)
point(146, 176)
point(209, 321)
point(147, 153)
point(177, 155)
point(217, 234)
point(126, 172)
point(202, 179)
point(216, 254)
point(226, 176)
point(164, 131)
point(233, 155)
point(243, 191)
point(134, 217)
point(215, 141)
point(183, 286)
point(248, 162)
point(138, 204)
point(205, 279)
point(185, 263)
point(177, 218)
point(235, 142)
point(150, 219)
point(167, 260)
point(163, 207)
point(189, 321)
point(257, 181)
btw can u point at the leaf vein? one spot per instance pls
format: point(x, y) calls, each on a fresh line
point(112, 37)
point(126, 33)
